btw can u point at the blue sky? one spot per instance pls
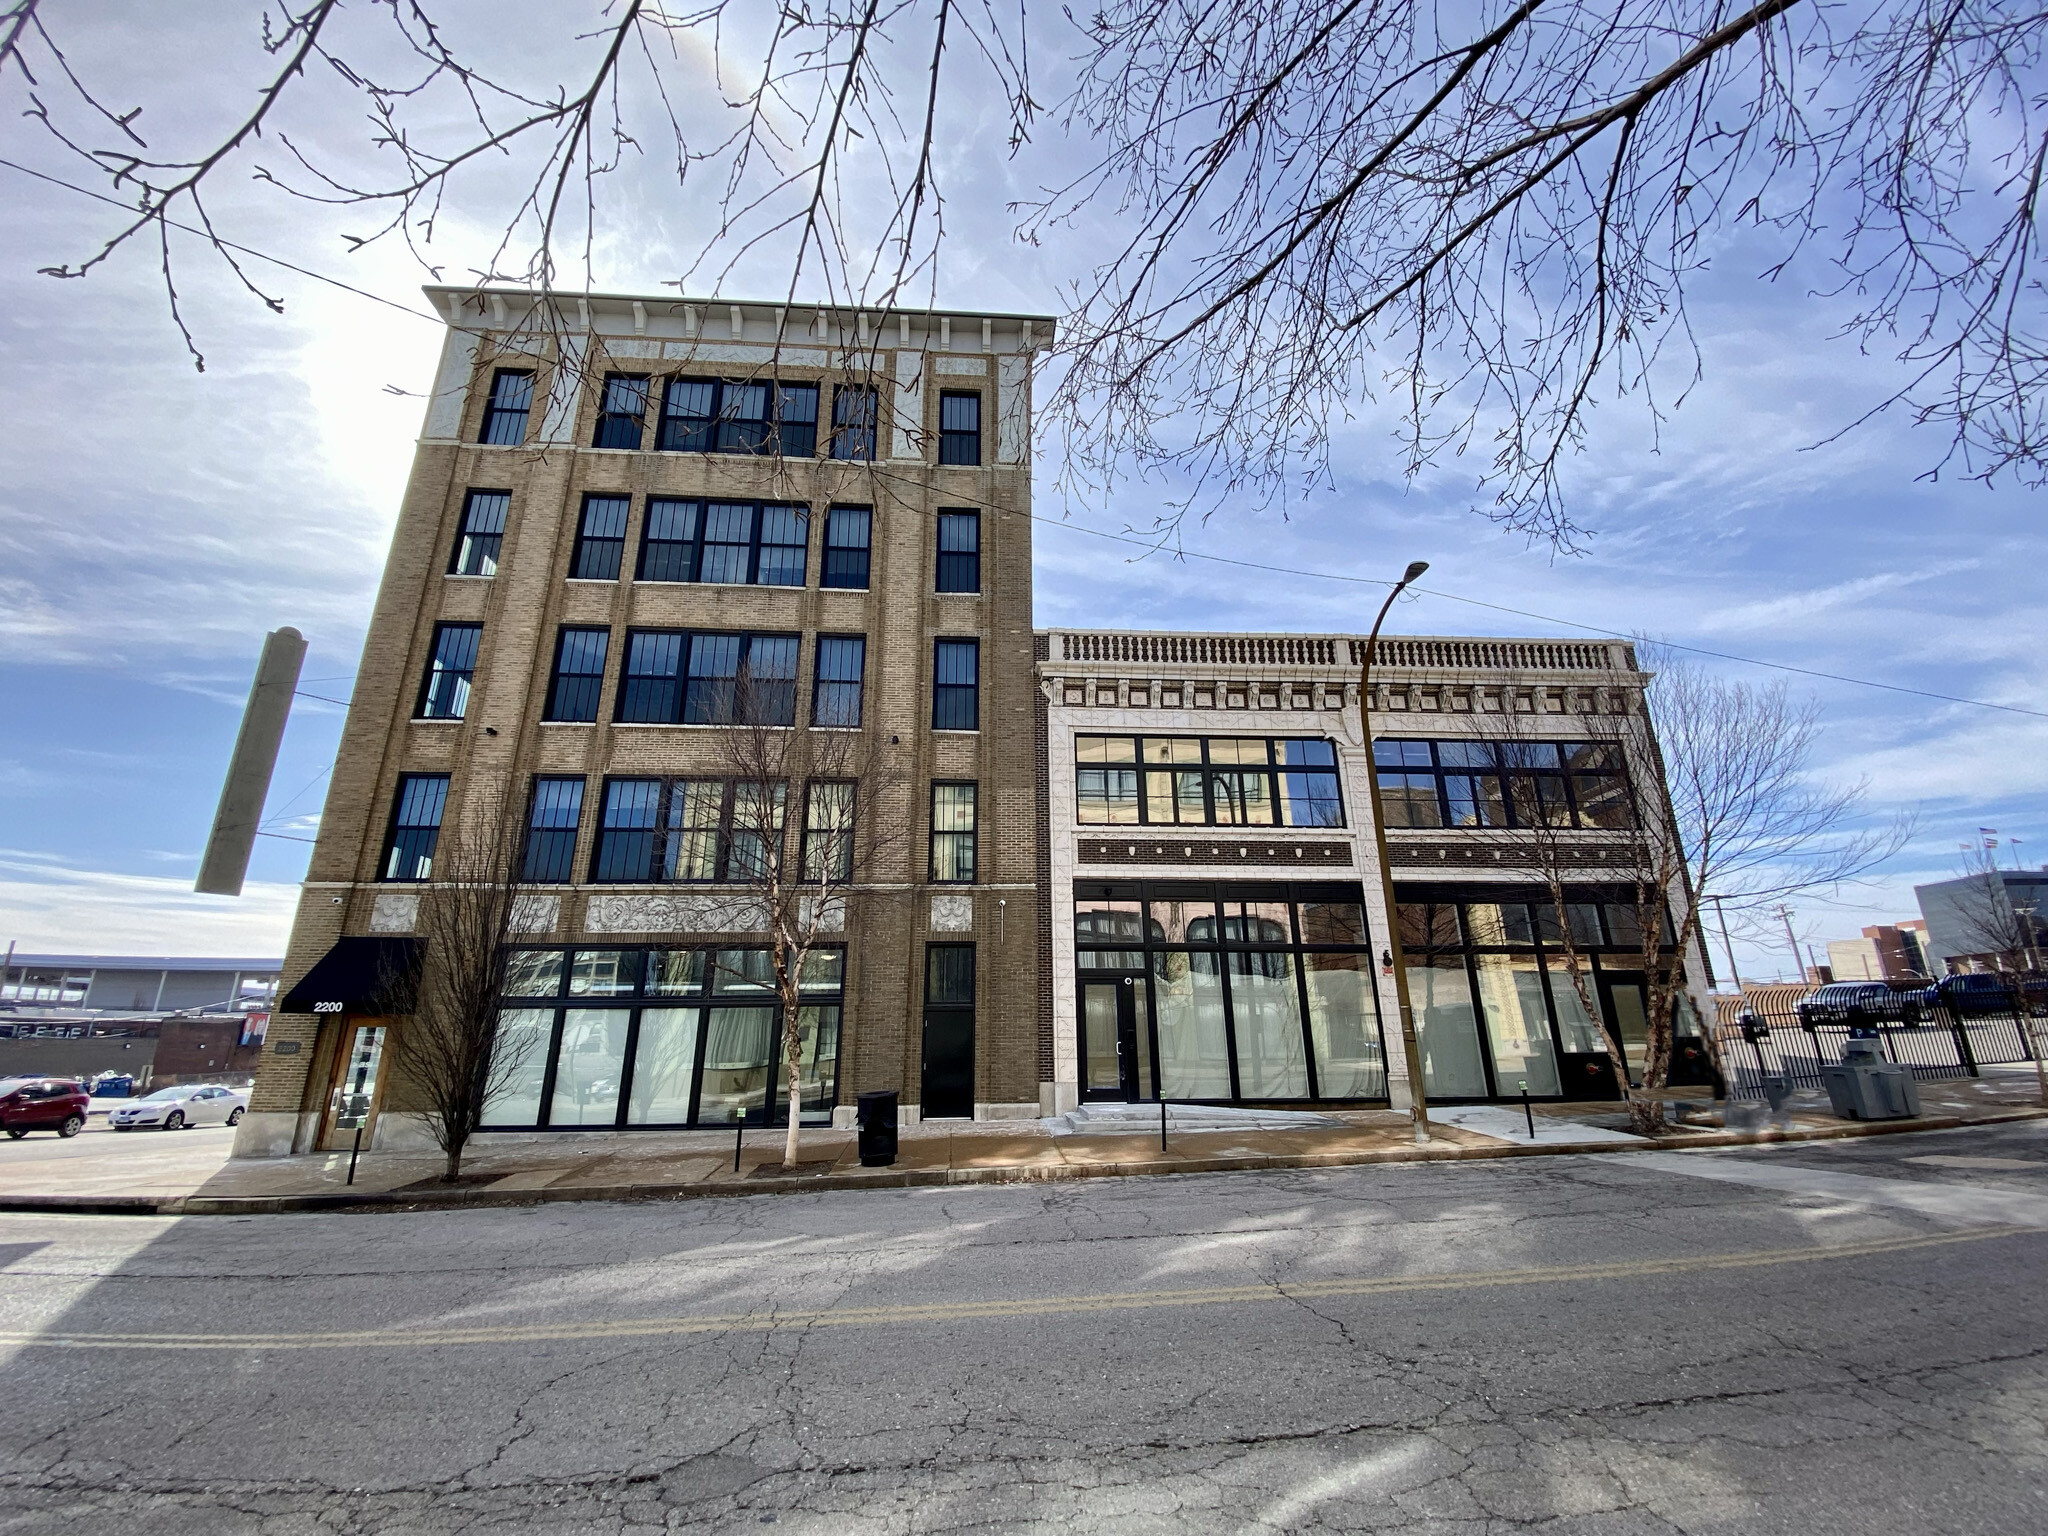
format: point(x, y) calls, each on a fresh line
point(154, 522)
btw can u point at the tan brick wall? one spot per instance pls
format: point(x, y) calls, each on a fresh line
point(530, 597)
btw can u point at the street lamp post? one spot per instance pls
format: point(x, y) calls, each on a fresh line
point(1411, 1053)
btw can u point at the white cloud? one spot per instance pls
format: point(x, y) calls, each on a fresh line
point(49, 908)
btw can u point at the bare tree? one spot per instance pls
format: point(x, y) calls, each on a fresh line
point(1727, 807)
point(2009, 935)
point(449, 1054)
point(1494, 212)
point(814, 817)
point(1717, 799)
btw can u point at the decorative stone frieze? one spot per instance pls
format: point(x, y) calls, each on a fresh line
point(395, 912)
point(680, 913)
point(952, 912)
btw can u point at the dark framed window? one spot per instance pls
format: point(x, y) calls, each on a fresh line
point(727, 416)
point(483, 533)
point(959, 427)
point(650, 689)
point(953, 829)
point(849, 531)
point(444, 693)
point(1472, 783)
point(828, 830)
point(505, 413)
point(854, 419)
point(415, 826)
point(682, 677)
point(1222, 781)
point(660, 831)
point(836, 690)
point(578, 678)
point(629, 1039)
point(629, 831)
point(959, 551)
point(552, 823)
point(949, 975)
point(622, 411)
point(741, 679)
point(757, 543)
point(956, 685)
point(668, 541)
point(601, 538)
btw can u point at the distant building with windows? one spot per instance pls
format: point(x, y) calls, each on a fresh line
point(1997, 921)
point(1131, 865)
point(619, 507)
point(1884, 952)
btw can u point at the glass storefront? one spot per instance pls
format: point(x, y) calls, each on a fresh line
point(659, 1038)
point(1261, 992)
point(1495, 1005)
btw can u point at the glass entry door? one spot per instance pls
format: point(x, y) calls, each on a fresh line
point(1114, 1061)
point(354, 1099)
point(1628, 1006)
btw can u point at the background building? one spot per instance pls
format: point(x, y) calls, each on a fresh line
point(617, 505)
point(1885, 952)
point(1214, 921)
point(1987, 922)
point(158, 1019)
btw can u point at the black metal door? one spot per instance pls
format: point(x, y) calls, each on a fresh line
point(948, 1064)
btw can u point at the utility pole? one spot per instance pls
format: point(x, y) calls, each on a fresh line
point(1785, 916)
point(1721, 917)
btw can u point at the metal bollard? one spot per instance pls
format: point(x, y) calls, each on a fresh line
point(1528, 1114)
point(1162, 1122)
point(739, 1134)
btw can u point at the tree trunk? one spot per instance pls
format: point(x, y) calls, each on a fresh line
point(454, 1170)
point(792, 1052)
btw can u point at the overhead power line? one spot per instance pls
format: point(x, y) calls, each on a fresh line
point(276, 261)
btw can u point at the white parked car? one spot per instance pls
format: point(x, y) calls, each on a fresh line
point(170, 1108)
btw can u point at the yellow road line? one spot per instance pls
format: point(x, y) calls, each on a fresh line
point(1028, 1306)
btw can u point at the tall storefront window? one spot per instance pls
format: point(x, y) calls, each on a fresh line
point(1260, 992)
point(660, 1037)
point(1495, 1005)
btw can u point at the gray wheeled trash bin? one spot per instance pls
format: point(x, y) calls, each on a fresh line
point(1867, 1087)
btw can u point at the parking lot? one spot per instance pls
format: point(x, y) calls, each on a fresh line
point(99, 1160)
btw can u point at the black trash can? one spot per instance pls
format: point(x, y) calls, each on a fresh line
point(875, 1114)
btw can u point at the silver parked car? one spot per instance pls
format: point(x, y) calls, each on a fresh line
point(192, 1104)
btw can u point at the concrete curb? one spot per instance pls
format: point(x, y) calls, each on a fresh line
point(925, 1178)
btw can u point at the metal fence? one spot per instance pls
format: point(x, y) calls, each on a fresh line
point(1935, 1042)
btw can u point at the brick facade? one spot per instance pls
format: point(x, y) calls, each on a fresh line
point(502, 740)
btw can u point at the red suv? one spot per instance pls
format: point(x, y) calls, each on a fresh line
point(42, 1104)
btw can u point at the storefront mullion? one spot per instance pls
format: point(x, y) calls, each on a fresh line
point(547, 1077)
point(631, 1067)
point(1308, 1042)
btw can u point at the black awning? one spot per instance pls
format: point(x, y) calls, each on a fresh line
point(366, 975)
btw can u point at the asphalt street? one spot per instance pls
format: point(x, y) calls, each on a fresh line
point(1838, 1336)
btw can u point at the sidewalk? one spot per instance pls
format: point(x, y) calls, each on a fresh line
point(157, 1175)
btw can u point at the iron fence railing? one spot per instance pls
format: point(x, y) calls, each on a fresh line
point(1934, 1040)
